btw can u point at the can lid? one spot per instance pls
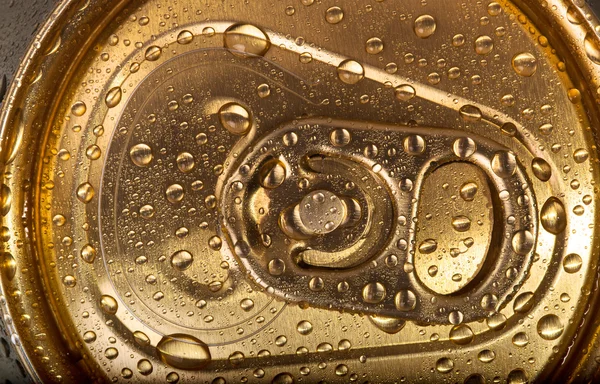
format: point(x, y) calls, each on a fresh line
point(304, 191)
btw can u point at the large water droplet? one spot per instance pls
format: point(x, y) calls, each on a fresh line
point(524, 64)
point(182, 260)
point(425, 26)
point(592, 50)
point(549, 327)
point(373, 293)
point(389, 325)
point(245, 40)
point(113, 97)
point(461, 334)
point(85, 192)
point(404, 92)
point(553, 216)
point(350, 71)
point(235, 118)
point(183, 352)
point(141, 155)
point(108, 304)
point(572, 263)
point(541, 169)
point(504, 164)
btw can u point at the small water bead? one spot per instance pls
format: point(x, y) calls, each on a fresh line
point(464, 147)
point(373, 293)
point(404, 92)
point(276, 267)
point(174, 193)
point(517, 376)
point(185, 162)
point(340, 137)
point(69, 281)
point(235, 118)
point(341, 370)
point(185, 37)
point(520, 339)
point(79, 108)
point(172, 378)
point(494, 9)
point(208, 31)
point(523, 303)
point(334, 15)
point(541, 169)
point(580, 155)
point(263, 90)
point(350, 71)
point(572, 263)
point(522, 242)
point(486, 356)
point(553, 216)
point(405, 300)
point(141, 155)
point(483, 45)
point(444, 365)
point(374, 45)
point(428, 246)
point(549, 327)
point(524, 64)
point(181, 260)
point(141, 338)
point(245, 40)
point(504, 164)
point(186, 352)
point(425, 26)
point(88, 253)
point(89, 337)
point(496, 321)
point(247, 304)
point(461, 223)
point(272, 174)
point(304, 327)
point(111, 353)
point(461, 334)
point(108, 304)
point(153, 53)
point(414, 145)
point(85, 192)
point(281, 341)
point(470, 113)
point(458, 40)
point(574, 95)
point(468, 191)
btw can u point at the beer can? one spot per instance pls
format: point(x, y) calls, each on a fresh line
point(301, 191)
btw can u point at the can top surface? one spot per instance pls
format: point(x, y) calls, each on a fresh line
point(304, 191)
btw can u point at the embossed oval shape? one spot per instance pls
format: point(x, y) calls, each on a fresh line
point(461, 250)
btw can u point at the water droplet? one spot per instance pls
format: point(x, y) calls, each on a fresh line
point(549, 327)
point(304, 327)
point(428, 246)
point(572, 263)
point(334, 15)
point(235, 118)
point(350, 71)
point(374, 45)
point(113, 97)
point(141, 338)
point(470, 113)
point(108, 304)
point(340, 137)
point(522, 242)
point(405, 300)
point(496, 321)
point(444, 365)
point(517, 376)
point(174, 193)
point(580, 155)
point(8, 264)
point(276, 267)
point(486, 356)
point(461, 334)
point(182, 260)
point(185, 37)
point(183, 351)
point(484, 45)
point(520, 339)
point(245, 40)
point(524, 64)
point(404, 92)
point(153, 53)
point(592, 49)
point(272, 174)
point(88, 253)
point(373, 293)
point(504, 164)
point(414, 145)
point(85, 193)
point(79, 108)
point(263, 90)
point(523, 303)
point(553, 216)
point(89, 337)
point(141, 155)
point(111, 353)
point(461, 223)
point(541, 169)
point(425, 26)
point(468, 191)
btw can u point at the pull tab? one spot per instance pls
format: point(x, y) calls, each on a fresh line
point(323, 209)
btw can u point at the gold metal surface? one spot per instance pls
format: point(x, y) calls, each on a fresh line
point(304, 191)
